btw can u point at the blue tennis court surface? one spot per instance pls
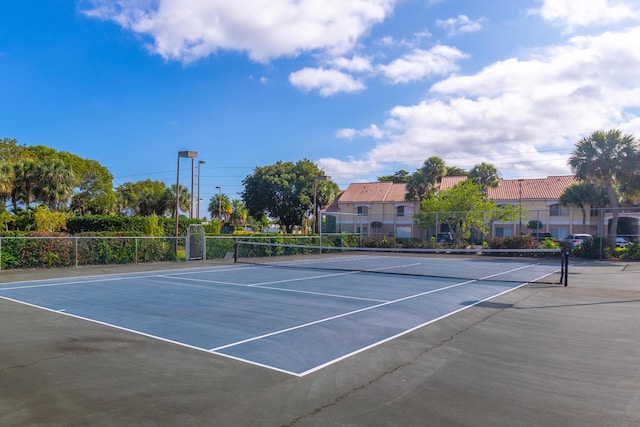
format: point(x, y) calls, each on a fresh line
point(291, 320)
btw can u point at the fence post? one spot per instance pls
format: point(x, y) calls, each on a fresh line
point(76, 256)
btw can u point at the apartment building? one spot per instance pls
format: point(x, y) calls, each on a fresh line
point(380, 209)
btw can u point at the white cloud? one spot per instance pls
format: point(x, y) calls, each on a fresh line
point(356, 63)
point(187, 30)
point(372, 132)
point(578, 13)
point(326, 82)
point(523, 115)
point(344, 172)
point(461, 24)
point(420, 63)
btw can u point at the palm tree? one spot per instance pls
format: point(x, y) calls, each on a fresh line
point(220, 207)
point(6, 183)
point(422, 182)
point(54, 183)
point(24, 181)
point(584, 193)
point(184, 200)
point(239, 212)
point(485, 175)
point(601, 158)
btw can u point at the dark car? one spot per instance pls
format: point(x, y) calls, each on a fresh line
point(444, 239)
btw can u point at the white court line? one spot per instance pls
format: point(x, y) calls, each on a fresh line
point(289, 290)
point(349, 313)
point(315, 322)
point(111, 277)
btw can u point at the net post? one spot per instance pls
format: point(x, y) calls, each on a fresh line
point(235, 252)
point(565, 266)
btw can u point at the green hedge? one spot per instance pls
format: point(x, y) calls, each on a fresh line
point(126, 224)
point(48, 252)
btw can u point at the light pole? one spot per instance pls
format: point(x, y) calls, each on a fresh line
point(219, 203)
point(316, 217)
point(189, 155)
point(200, 162)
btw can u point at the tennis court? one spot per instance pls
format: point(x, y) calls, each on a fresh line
point(536, 355)
point(293, 320)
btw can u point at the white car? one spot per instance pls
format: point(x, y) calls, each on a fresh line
point(575, 240)
point(621, 242)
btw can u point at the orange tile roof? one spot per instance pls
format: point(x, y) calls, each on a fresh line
point(371, 192)
point(550, 188)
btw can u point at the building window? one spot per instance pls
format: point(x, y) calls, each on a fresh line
point(557, 210)
point(504, 231)
point(400, 211)
point(362, 210)
point(403, 232)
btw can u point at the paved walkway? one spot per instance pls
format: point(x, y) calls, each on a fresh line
point(540, 355)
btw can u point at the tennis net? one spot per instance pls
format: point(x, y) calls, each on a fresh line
point(511, 265)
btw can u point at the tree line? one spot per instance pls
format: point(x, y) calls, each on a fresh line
point(606, 163)
point(63, 182)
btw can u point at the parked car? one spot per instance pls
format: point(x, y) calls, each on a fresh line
point(621, 242)
point(541, 236)
point(444, 239)
point(575, 240)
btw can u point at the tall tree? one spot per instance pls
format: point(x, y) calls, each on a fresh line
point(601, 158)
point(94, 188)
point(285, 191)
point(456, 171)
point(6, 183)
point(184, 199)
point(485, 176)
point(462, 208)
point(24, 172)
point(54, 182)
point(582, 194)
point(239, 212)
point(399, 177)
point(423, 181)
point(148, 197)
point(220, 207)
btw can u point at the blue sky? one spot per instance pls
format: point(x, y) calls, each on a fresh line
point(363, 88)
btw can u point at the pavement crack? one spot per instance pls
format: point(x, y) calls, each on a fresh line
point(27, 365)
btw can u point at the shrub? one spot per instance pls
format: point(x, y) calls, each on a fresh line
point(379, 242)
point(632, 251)
point(514, 242)
point(596, 248)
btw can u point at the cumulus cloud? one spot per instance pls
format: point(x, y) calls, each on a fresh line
point(356, 63)
point(420, 63)
point(524, 112)
point(576, 13)
point(346, 171)
point(461, 24)
point(187, 30)
point(326, 82)
point(372, 132)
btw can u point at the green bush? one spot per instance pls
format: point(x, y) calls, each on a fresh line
point(129, 224)
point(596, 248)
point(38, 251)
point(379, 242)
point(632, 251)
point(514, 242)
